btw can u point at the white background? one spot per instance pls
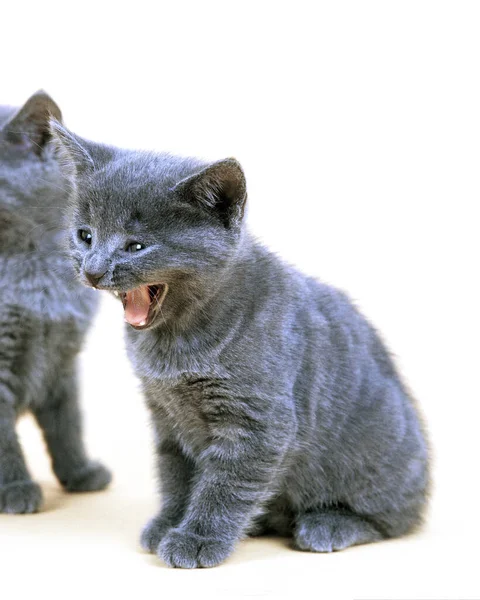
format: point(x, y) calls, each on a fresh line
point(358, 127)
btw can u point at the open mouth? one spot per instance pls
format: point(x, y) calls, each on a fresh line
point(143, 304)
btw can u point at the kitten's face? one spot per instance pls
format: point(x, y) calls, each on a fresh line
point(154, 229)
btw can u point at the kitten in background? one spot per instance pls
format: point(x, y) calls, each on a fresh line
point(275, 405)
point(44, 311)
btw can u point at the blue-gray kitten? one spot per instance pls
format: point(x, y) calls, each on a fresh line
point(275, 404)
point(44, 311)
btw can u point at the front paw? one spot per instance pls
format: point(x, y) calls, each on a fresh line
point(180, 548)
point(20, 497)
point(153, 533)
point(90, 478)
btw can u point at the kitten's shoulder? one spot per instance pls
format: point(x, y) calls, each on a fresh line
point(287, 286)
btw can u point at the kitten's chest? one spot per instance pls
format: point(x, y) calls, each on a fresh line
point(182, 387)
point(51, 348)
point(185, 410)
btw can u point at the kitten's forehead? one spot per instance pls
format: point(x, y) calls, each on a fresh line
point(133, 187)
point(133, 170)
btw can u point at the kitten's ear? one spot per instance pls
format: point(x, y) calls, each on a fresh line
point(30, 124)
point(220, 187)
point(75, 159)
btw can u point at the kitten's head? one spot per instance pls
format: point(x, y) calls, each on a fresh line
point(25, 131)
point(157, 230)
point(30, 180)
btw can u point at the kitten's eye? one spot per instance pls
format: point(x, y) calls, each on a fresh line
point(85, 236)
point(134, 247)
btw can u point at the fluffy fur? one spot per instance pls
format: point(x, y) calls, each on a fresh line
point(275, 404)
point(44, 311)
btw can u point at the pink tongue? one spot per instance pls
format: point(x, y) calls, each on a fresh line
point(137, 305)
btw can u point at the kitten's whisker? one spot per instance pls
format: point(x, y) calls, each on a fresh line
point(163, 316)
point(38, 206)
point(48, 228)
point(28, 256)
point(67, 191)
point(28, 136)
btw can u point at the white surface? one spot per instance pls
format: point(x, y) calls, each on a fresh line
point(358, 126)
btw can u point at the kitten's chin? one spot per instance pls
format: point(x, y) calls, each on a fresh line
point(143, 305)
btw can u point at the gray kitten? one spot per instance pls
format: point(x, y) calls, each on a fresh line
point(275, 404)
point(44, 311)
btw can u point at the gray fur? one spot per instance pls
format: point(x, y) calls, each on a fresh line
point(275, 404)
point(44, 311)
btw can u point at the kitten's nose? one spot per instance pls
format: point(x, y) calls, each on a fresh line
point(94, 276)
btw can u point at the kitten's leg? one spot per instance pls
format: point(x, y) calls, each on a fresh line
point(235, 479)
point(176, 472)
point(330, 530)
point(18, 493)
point(61, 423)
point(278, 519)
point(373, 511)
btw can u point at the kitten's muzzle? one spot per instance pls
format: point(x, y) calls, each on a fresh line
point(94, 277)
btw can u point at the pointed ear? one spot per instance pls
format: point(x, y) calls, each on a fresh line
point(220, 187)
point(74, 157)
point(29, 125)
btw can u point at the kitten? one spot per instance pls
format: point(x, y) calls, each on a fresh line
point(44, 311)
point(276, 406)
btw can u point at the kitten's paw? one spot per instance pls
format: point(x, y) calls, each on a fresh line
point(90, 478)
point(180, 548)
point(329, 532)
point(20, 497)
point(153, 533)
